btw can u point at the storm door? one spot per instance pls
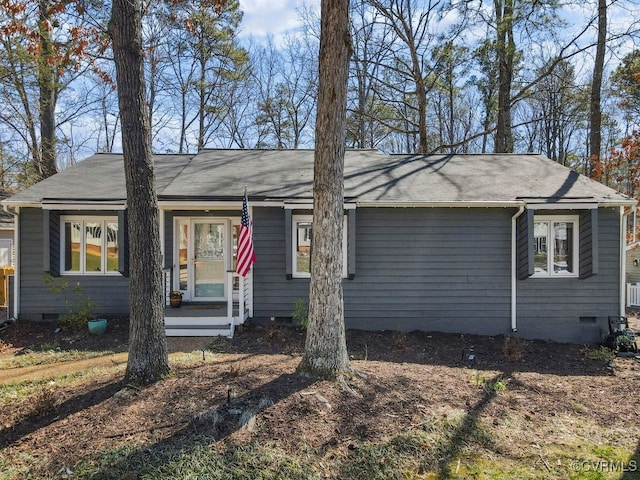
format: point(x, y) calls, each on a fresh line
point(201, 253)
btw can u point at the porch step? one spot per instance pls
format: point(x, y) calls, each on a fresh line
point(211, 322)
point(198, 327)
point(195, 331)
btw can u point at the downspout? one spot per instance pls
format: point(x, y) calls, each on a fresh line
point(16, 249)
point(623, 258)
point(514, 317)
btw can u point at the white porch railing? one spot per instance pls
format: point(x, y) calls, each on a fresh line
point(166, 277)
point(633, 294)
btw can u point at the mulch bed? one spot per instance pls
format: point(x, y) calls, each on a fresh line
point(405, 378)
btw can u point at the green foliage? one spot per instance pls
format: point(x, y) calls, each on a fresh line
point(300, 314)
point(626, 80)
point(600, 354)
point(479, 380)
point(79, 306)
point(499, 386)
point(48, 346)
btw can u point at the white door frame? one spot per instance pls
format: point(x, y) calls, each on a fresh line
point(190, 222)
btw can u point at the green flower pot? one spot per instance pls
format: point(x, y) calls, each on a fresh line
point(98, 326)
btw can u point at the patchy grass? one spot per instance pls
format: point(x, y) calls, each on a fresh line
point(421, 410)
point(421, 453)
point(48, 356)
point(28, 391)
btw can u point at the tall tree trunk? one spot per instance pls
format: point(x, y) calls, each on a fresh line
point(47, 164)
point(595, 115)
point(506, 52)
point(452, 118)
point(202, 95)
point(362, 105)
point(183, 120)
point(148, 359)
point(421, 93)
point(325, 353)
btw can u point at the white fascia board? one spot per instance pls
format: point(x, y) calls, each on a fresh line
point(581, 206)
point(462, 204)
point(298, 205)
point(84, 206)
point(309, 206)
point(11, 204)
point(203, 205)
point(562, 206)
point(618, 203)
point(501, 204)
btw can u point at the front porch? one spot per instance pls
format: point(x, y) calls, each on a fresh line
point(209, 319)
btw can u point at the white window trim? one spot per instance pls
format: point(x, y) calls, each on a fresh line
point(632, 238)
point(82, 219)
point(575, 220)
point(295, 219)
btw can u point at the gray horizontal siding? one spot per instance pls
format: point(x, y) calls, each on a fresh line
point(273, 294)
point(445, 270)
point(109, 293)
point(552, 307)
point(431, 269)
point(417, 269)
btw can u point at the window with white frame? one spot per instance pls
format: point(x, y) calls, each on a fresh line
point(302, 236)
point(89, 245)
point(556, 246)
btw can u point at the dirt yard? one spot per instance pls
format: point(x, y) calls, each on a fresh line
point(506, 405)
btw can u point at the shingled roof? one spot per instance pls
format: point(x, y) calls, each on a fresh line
point(371, 177)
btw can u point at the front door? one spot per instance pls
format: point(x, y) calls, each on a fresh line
point(201, 253)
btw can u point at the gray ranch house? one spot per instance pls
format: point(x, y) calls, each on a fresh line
point(476, 244)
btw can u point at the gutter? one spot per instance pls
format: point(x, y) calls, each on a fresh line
point(623, 258)
point(514, 244)
point(15, 212)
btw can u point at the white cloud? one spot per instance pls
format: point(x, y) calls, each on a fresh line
point(270, 17)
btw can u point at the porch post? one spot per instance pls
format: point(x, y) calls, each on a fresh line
point(229, 290)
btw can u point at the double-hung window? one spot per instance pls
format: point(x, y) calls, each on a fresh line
point(556, 246)
point(89, 245)
point(302, 237)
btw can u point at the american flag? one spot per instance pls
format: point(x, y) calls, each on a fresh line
point(246, 254)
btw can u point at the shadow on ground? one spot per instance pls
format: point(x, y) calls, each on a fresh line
point(209, 426)
point(41, 419)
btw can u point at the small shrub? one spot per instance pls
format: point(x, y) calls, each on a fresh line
point(234, 370)
point(300, 314)
point(46, 347)
point(79, 306)
point(479, 380)
point(513, 348)
point(499, 386)
point(44, 403)
point(400, 341)
point(600, 354)
point(272, 332)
